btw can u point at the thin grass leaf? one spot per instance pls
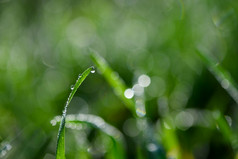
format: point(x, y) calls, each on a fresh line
point(223, 126)
point(74, 121)
point(225, 129)
point(170, 139)
point(228, 83)
point(60, 149)
point(220, 74)
point(113, 79)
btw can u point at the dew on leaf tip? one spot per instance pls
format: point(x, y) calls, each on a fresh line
point(93, 70)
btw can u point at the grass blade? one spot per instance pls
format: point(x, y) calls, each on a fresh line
point(223, 125)
point(113, 79)
point(73, 121)
point(221, 75)
point(228, 83)
point(60, 149)
point(225, 129)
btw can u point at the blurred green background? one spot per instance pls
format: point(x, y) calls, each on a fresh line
point(44, 46)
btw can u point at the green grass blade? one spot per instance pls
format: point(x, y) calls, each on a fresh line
point(113, 79)
point(60, 149)
point(223, 126)
point(73, 121)
point(225, 129)
point(228, 83)
point(221, 75)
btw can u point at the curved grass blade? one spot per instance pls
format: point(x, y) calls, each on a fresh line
point(113, 79)
point(73, 121)
point(60, 149)
point(222, 76)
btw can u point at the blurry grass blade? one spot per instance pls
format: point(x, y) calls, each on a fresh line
point(113, 79)
point(221, 75)
point(224, 127)
point(73, 121)
point(169, 139)
point(60, 149)
point(91, 120)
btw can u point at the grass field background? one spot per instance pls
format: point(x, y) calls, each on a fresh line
point(164, 86)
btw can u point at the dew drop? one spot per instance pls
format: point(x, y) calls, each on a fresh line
point(3, 153)
point(5, 147)
point(225, 84)
point(93, 70)
point(8, 147)
point(72, 87)
point(229, 120)
point(53, 122)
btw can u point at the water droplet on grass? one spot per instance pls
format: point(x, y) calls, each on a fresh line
point(8, 147)
point(72, 87)
point(93, 70)
point(3, 153)
point(229, 120)
point(5, 147)
point(53, 122)
point(225, 84)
